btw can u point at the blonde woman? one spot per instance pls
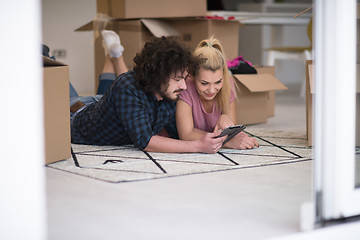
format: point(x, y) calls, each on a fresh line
point(208, 103)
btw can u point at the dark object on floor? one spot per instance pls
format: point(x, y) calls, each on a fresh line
point(45, 50)
point(240, 66)
point(243, 68)
point(215, 5)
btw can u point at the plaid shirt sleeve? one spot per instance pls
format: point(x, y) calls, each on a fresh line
point(171, 127)
point(136, 114)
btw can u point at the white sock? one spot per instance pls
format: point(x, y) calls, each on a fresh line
point(112, 45)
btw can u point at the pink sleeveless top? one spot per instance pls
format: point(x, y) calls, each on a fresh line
point(202, 120)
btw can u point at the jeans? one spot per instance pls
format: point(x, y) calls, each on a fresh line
point(105, 81)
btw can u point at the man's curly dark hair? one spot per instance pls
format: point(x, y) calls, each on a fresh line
point(158, 60)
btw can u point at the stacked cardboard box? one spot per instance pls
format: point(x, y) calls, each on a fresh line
point(310, 91)
point(131, 9)
point(189, 31)
point(309, 104)
point(56, 110)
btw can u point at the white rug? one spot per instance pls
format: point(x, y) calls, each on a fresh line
point(117, 164)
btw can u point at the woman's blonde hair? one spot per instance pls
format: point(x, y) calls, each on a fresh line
point(214, 59)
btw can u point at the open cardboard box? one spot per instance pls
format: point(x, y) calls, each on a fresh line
point(189, 31)
point(310, 91)
point(256, 95)
point(56, 110)
point(131, 9)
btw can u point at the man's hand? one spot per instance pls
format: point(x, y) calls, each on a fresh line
point(209, 144)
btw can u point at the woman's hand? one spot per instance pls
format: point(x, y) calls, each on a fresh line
point(242, 141)
point(223, 122)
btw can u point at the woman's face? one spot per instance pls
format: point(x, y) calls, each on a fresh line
point(208, 83)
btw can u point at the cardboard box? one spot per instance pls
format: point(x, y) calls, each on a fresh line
point(309, 98)
point(192, 31)
point(56, 111)
point(131, 9)
point(256, 95)
point(271, 101)
point(189, 31)
point(309, 104)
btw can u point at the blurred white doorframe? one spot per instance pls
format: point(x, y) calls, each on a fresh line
point(335, 84)
point(22, 174)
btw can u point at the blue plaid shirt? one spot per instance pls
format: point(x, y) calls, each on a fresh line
point(124, 115)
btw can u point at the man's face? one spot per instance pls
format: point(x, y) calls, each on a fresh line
point(175, 86)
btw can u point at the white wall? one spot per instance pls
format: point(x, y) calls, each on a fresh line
point(60, 19)
point(290, 72)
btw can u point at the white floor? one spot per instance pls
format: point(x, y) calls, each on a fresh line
point(254, 203)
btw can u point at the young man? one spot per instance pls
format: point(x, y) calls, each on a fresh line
point(139, 107)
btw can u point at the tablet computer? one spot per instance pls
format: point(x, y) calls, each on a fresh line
point(231, 132)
